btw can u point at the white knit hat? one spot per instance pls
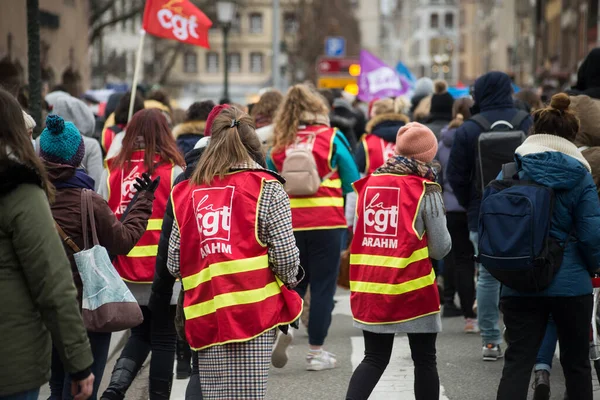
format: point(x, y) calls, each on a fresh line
point(29, 121)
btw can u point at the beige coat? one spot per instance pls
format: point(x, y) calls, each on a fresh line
point(588, 111)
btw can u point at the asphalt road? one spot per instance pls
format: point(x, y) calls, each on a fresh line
point(463, 375)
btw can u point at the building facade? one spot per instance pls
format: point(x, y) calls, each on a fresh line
point(488, 37)
point(200, 72)
point(197, 73)
point(431, 37)
point(63, 36)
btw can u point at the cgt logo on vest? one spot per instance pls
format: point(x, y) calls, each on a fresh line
point(388, 150)
point(212, 207)
point(380, 217)
point(127, 189)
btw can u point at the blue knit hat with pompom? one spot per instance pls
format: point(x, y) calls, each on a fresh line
point(61, 142)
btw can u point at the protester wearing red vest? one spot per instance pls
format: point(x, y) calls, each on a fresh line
point(233, 247)
point(148, 148)
point(400, 223)
point(379, 142)
point(319, 220)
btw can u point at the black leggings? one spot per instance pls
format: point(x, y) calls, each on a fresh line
point(378, 349)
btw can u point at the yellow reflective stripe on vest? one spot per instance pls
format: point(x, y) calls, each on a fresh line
point(386, 288)
point(391, 262)
point(154, 224)
point(332, 183)
point(143, 251)
point(225, 268)
point(232, 299)
point(317, 202)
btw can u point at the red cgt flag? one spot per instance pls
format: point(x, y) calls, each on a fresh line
point(177, 19)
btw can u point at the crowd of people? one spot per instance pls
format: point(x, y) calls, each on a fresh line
point(226, 224)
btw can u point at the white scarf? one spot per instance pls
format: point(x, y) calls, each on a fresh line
point(540, 143)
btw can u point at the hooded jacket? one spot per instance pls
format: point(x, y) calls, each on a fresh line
point(588, 76)
point(576, 210)
point(385, 126)
point(444, 148)
point(187, 134)
point(37, 295)
point(493, 100)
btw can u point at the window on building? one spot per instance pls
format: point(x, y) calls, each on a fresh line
point(449, 21)
point(434, 21)
point(236, 24)
point(235, 62)
point(212, 62)
point(256, 23)
point(290, 23)
point(190, 62)
point(257, 63)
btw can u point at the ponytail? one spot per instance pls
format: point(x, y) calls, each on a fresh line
point(232, 143)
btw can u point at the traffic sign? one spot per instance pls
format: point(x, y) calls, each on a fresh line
point(335, 46)
point(336, 66)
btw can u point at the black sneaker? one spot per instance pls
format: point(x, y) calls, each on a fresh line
point(541, 385)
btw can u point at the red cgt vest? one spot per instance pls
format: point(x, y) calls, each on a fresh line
point(377, 151)
point(138, 265)
point(391, 277)
point(324, 209)
point(231, 294)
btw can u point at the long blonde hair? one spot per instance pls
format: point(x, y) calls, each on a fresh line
point(299, 99)
point(229, 146)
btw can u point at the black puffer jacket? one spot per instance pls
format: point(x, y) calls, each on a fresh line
point(162, 286)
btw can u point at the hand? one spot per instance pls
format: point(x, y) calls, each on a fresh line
point(83, 389)
point(146, 183)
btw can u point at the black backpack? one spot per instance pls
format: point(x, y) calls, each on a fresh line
point(496, 146)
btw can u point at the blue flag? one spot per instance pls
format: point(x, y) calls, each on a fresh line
point(405, 73)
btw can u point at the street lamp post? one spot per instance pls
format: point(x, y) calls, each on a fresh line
point(225, 15)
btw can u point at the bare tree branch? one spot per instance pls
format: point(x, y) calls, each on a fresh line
point(98, 10)
point(97, 30)
point(177, 50)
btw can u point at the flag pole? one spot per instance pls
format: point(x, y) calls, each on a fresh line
point(136, 74)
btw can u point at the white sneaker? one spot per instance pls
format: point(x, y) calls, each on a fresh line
point(279, 357)
point(320, 361)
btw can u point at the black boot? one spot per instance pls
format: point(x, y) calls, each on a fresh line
point(160, 389)
point(122, 376)
point(194, 389)
point(541, 385)
point(184, 358)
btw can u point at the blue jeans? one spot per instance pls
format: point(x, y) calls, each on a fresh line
point(60, 382)
point(545, 354)
point(31, 395)
point(488, 299)
point(320, 258)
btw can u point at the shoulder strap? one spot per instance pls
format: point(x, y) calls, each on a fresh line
point(510, 171)
point(518, 119)
point(87, 214)
point(482, 122)
point(84, 220)
point(67, 239)
point(87, 193)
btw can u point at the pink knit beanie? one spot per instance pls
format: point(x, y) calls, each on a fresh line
point(415, 140)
